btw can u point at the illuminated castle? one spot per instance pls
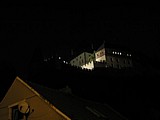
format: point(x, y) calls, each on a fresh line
point(114, 57)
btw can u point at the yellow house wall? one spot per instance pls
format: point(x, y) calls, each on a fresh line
point(42, 109)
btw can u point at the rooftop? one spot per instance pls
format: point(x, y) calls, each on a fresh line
point(76, 107)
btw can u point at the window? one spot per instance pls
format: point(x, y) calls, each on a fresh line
point(118, 66)
point(117, 60)
point(101, 53)
point(16, 114)
point(19, 111)
point(111, 59)
point(97, 55)
point(128, 62)
point(89, 59)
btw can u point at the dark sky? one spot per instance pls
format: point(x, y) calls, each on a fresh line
point(24, 28)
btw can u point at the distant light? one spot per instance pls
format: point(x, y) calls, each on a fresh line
point(130, 54)
point(59, 58)
point(113, 52)
point(64, 61)
point(127, 54)
point(120, 53)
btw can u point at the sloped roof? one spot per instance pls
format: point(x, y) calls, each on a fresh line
point(101, 47)
point(109, 45)
point(74, 107)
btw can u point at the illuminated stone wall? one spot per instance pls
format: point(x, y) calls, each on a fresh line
point(111, 57)
point(89, 65)
point(100, 55)
point(114, 58)
point(83, 60)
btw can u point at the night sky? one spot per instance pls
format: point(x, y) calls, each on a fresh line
point(64, 29)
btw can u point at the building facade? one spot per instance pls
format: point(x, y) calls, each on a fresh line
point(84, 60)
point(103, 57)
point(114, 58)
